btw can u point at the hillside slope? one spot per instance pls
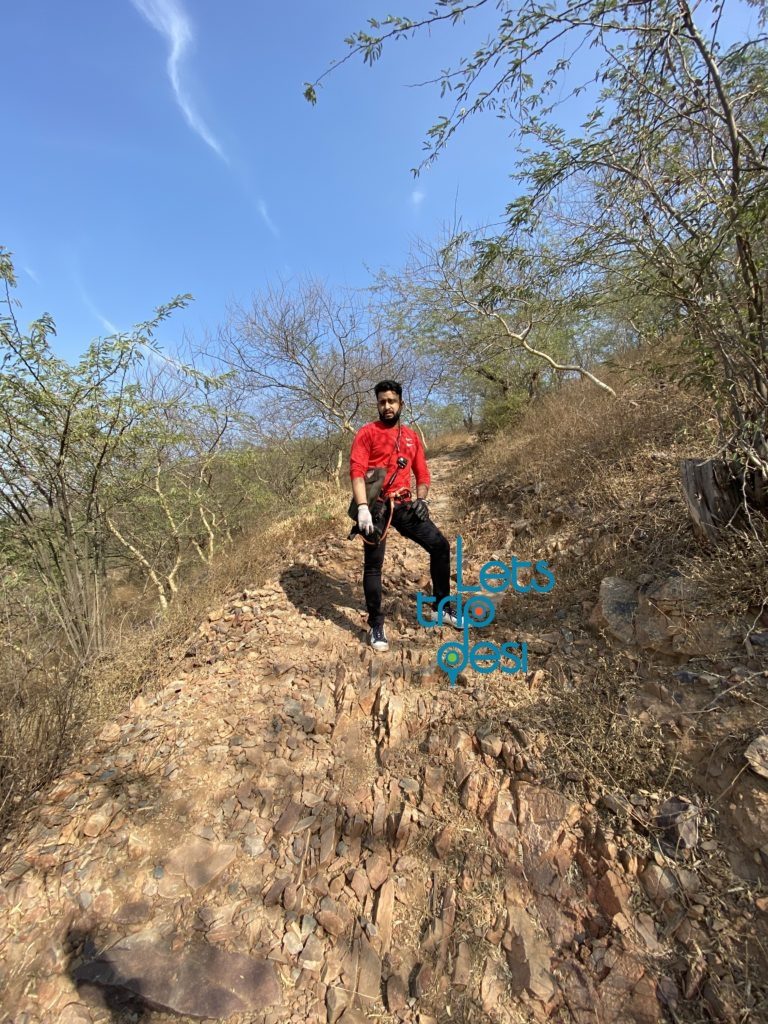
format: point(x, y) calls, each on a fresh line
point(293, 828)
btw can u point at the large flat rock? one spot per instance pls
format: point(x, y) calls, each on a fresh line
point(199, 980)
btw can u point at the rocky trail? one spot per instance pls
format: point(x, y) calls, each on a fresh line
point(296, 829)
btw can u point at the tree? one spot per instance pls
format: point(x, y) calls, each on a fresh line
point(118, 453)
point(500, 334)
point(305, 362)
point(665, 187)
point(187, 481)
point(306, 355)
point(62, 430)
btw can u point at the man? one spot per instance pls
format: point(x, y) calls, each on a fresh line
point(386, 443)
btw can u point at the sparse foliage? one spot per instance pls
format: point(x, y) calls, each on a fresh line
point(501, 336)
point(661, 193)
point(305, 361)
point(63, 431)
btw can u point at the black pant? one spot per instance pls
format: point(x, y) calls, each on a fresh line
point(427, 535)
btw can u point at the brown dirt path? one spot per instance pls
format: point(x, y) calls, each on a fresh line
point(346, 821)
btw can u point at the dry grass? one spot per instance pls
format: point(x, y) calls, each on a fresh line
point(593, 485)
point(447, 443)
point(48, 708)
point(39, 717)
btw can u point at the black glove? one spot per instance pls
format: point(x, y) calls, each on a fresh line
point(420, 509)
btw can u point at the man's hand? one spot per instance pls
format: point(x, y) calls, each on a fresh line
point(364, 520)
point(420, 509)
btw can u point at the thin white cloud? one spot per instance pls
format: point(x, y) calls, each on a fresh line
point(169, 18)
point(152, 352)
point(106, 324)
point(93, 309)
point(417, 197)
point(30, 273)
point(267, 219)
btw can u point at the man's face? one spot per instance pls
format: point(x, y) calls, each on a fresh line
point(389, 406)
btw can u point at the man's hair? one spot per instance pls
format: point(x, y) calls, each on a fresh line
point(389, 385)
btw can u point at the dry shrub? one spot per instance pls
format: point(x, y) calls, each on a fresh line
point(592, 484)
point(50, 706)
point(39, 709)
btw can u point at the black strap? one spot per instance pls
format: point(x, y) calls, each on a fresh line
point(394, 451)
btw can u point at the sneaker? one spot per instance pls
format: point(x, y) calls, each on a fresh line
point(377, 638)
point(449, 618)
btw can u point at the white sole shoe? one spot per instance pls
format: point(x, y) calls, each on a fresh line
point(378, 645)
point(449, 619)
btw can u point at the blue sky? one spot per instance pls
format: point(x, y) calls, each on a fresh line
point(155, 147)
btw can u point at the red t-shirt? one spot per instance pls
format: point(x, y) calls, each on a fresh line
point(378, 445)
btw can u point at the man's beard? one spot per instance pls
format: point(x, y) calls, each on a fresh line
point(390, 422)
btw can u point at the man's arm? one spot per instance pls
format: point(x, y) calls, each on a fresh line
point(364, 518)
point(359, 457)
point(420, 470)
point(358, 489)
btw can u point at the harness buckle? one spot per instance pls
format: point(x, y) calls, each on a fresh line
point(400, 496)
